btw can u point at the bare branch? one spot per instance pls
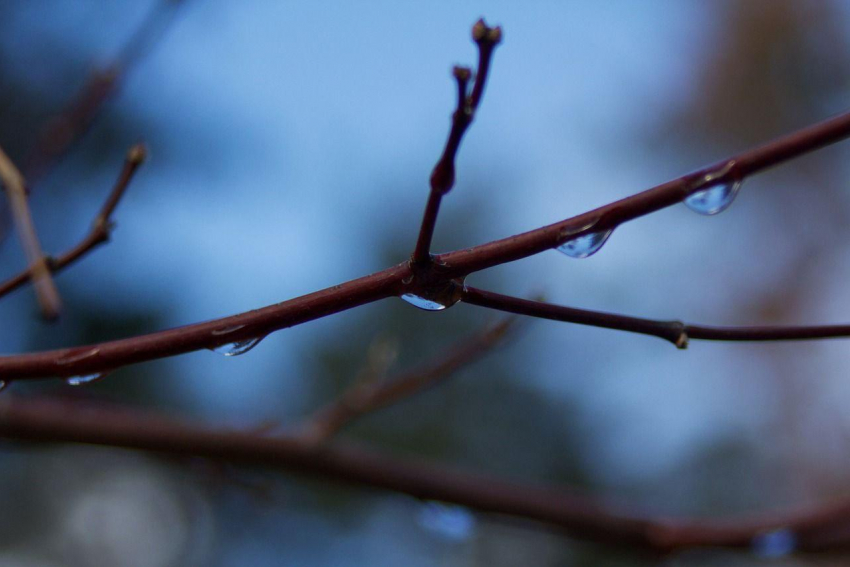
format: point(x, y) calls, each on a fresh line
point(677, 332)
point(443, 176)
point(608, 217)
point(580, 516)
point(100, 230)
point(65, 129)
point(45, 288)
point(365, 397)
point(399, 280)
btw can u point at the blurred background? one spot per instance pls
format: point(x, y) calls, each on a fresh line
point(291, 145)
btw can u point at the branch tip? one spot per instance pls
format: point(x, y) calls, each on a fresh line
point(137, 154)
point(483, 34)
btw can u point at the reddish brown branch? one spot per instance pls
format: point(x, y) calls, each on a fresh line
point(45, 288)
point(579, 516)
point(801, 142)
point(101, 227)
point(443, 175)
point(400, 280)
point(676, 332)
point(365, 397)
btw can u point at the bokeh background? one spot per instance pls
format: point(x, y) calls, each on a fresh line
point(291, 146)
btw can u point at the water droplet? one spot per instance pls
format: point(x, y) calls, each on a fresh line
point(451, 522)
point(3, 385)
point(237, 347)
point(714, 199)
point(423, 303)
point(227, 330)
point(84, 379)
point(776, 543)
point(585, 245)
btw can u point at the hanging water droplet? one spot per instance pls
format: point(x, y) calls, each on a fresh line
point(777, 543)
point(714, 199)
point(585, 245)
point(84, 379)
point(423, 303)
point(451, 522)
point(3, 385)
point(237, 347)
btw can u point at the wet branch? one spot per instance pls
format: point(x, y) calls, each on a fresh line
point(367, 396)
point(48, 421)
point(676, 332)
point(399, 279)
point(100, 230)
point(443, 175)
point(39, 272)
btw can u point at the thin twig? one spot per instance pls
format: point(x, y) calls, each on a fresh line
point(443, 175)
point(100, 230)
point(45, 288)
point(66, 128)
point(399, 280)
point(365, 397)
point(677, 332)
point(583, 517)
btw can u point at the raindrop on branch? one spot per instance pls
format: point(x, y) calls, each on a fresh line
point(585, 245)
point(84, 379)
point(423, 303)
point(455, 523)
point(237, 347)
point(714, 199)
point(777, 543)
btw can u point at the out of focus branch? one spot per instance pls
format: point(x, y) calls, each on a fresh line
point(100, 230)
point(676, 332)
point(443, 176)
point(580, 516)
point(39, 272)
point(63, 130)
point(367, 396)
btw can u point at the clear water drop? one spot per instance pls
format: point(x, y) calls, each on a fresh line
point(423, 303)
point(585, 245)
point(455, 523)
point(237, 347)
point(84, 379)
point(776, 543)
point(3, 385)
point(714, 199)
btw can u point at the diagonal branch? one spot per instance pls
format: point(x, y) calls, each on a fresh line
point(443, 176)
point(366, 397)
point(676, 332)
point(583, 517)
point(39, 272)
point(100, 230)
point(399, 280)
point(66, 128)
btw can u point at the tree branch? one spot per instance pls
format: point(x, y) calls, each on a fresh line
point(100, 230)
point(677, 332)
point(39, 272)
point(399, 280)
point(443, 175)
point(365, 397)
point(62, 131)
point(580, 516)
